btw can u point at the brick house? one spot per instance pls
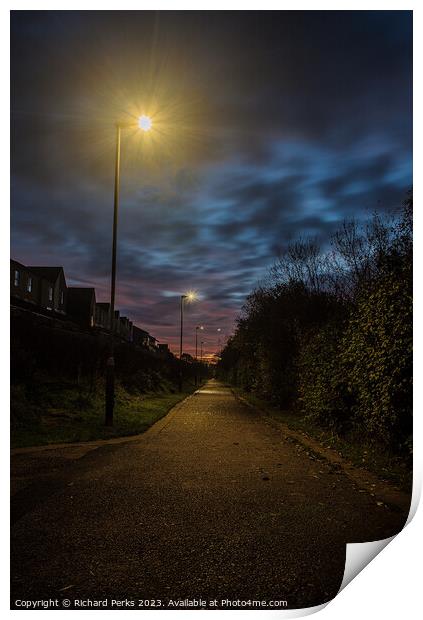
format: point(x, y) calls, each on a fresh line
point(44, 287)
point(139, 336)
point(53, 289)
point(24, 285)
point(143, 339)
point(152, 343)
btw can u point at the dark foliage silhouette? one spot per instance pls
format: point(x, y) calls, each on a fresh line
point(330, 335)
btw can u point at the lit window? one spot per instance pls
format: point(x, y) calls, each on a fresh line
point(29, 285)
point(50, 293)
point(17, 277)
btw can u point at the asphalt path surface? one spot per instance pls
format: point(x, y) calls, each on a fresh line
point(211, 503)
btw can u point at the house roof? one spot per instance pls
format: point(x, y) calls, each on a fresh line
point(48, 273)
point(142, 331)
point(18, 264)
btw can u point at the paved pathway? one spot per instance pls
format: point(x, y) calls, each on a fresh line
point(212, 503)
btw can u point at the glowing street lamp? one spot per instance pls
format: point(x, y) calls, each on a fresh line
point(145, 124)
point(189, 297)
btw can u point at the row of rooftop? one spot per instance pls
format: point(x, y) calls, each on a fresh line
point(44, 289)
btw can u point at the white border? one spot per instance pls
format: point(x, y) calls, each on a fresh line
point(390, 585)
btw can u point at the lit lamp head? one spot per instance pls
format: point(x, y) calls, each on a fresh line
point(190, 296)
point(145, 123)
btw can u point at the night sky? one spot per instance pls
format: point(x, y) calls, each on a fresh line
point(267, 126)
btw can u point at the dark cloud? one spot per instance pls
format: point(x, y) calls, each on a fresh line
point(271, 126)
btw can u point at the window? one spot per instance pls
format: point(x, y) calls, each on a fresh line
point(17, 277)
point(29, 285)
point(62, 298)
point(50, 293)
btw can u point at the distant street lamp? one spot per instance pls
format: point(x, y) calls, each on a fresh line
point(190, 296)
point(145, 124)
point(196, 340)
point(196, 351)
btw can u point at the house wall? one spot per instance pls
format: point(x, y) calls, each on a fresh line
point(60, 294)
point(139, 336)
point(45, 301)
point(102, 316)
point(125, 328)
point(25, 278)
point(58, 291)
point(50, 295)
point(152, 343)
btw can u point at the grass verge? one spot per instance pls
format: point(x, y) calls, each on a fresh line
point(373, 457)
point(64, 413)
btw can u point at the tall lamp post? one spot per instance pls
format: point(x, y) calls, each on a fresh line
point(218, 340)
point(144, 123)
point(196, 340)
point(191, 296)
point(196, 351)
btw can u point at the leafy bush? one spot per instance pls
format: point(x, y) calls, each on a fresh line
point(331, 334)
point(324, 395)
point(376, 351)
